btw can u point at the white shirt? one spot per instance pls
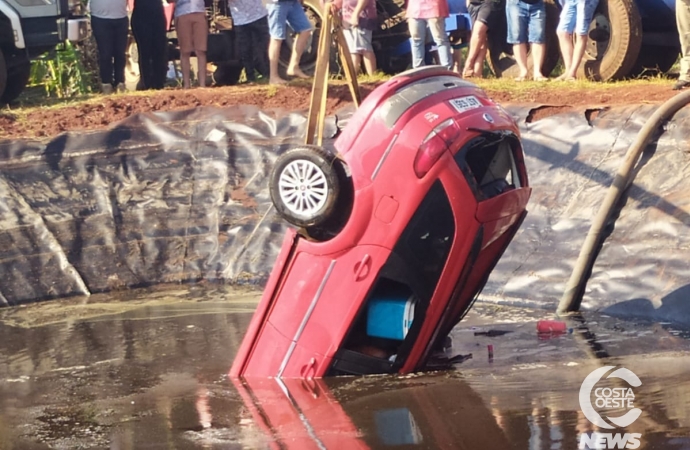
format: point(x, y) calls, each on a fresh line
point(108, 9)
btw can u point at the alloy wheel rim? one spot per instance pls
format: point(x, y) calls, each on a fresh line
point(303, 187)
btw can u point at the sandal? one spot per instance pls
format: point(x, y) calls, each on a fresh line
point(541, 78)
point(521, 78)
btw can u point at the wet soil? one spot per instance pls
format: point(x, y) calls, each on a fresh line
point(101, 112)
point(148, 369)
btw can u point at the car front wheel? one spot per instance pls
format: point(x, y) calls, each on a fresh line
point(305, 186)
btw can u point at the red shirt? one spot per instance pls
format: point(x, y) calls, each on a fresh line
point(427, 9)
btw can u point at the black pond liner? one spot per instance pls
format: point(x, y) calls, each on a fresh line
point(183, 197)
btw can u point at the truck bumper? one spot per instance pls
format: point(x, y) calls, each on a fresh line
point(77, 29)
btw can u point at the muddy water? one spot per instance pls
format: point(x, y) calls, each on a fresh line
point(147, 370)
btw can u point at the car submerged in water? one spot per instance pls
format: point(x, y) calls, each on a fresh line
point(399, 228)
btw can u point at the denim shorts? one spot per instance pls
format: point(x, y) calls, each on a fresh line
point(576, 16)
point(358, 40)
point(525, 22)
point(283, 13)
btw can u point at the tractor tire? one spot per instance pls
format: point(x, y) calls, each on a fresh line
point(500, 54)
point(227, 74)
point(654, 60)
point(308, 61)
point(615, 39)
point(3, 74)
point(17, 79)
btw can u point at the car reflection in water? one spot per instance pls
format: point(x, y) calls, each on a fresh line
point(304, 414)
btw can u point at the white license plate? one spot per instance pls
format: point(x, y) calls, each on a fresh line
point(463, 104)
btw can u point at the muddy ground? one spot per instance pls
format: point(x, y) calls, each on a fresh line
point(100, 112)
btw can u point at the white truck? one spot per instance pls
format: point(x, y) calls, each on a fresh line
point(29, 28)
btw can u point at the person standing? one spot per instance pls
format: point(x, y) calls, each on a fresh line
point(149, 28)
point(110, 27)
point(359, 21)
point(683, 22)
point(192, 34)
point(250, 18)
point(281, 14)
point(433, 13)
point(526, 20)
point(574, 21)
point(483, 15)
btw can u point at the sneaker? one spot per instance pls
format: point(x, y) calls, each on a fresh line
point(681, 84)
point(121, 88)
point(107, 88)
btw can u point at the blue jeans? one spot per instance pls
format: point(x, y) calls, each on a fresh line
point(437, 26)
point(525, 22)
point(576, 16)
point(284, 13)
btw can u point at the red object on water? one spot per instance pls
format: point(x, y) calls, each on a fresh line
point(490, 348)
point(551, 326)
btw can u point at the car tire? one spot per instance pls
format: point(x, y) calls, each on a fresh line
point(615, 39)
point(305, 186)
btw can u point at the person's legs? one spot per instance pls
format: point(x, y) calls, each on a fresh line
point(200, 37)
point(260, 39)
point(537, 38)
point(140, 30)
point(369, 58)
point(683, 22)
point(298, 21)
point(297, 51)
point(350, 35)
point(183, 25)
point(120, 31)
point(477, 51)
point(244, 42)
point(368, 55)
point(277, 25)
point(517, 21)
point(564, 31)
point(437, 27)
point(585, 12)
point(102, 34)
point(159, 50)
point(417, 29)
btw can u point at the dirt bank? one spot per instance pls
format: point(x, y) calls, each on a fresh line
point(99, 111)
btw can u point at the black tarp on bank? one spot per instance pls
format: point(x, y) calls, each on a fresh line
point(168, 197)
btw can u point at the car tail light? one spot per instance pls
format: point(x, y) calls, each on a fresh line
point(434, 145)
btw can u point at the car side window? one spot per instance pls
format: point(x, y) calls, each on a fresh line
point(489, 166)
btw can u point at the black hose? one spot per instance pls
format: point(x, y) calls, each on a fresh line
point(574, 290)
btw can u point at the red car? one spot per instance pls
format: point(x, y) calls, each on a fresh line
point(400, 228)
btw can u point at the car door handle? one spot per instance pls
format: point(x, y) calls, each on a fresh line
point(362, 268)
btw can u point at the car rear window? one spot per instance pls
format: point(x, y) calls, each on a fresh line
point(395, 106)
point(489, 164)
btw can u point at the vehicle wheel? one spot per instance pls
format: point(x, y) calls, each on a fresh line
point(17, 78)
point(3, 73)
point(615, 38)
point(500, 55)
point(654, 60)
point(305, 186)
point(227, 74)
point(308, 61)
